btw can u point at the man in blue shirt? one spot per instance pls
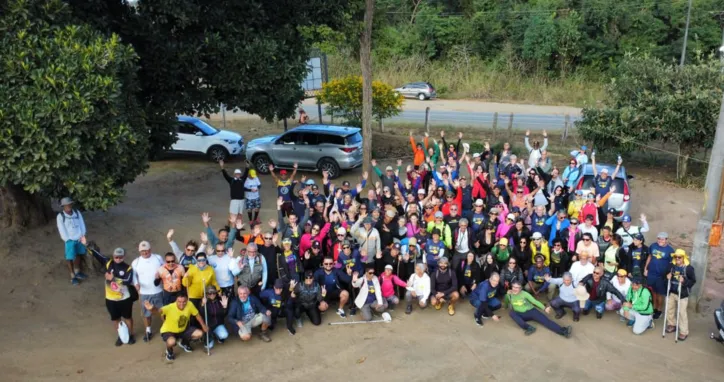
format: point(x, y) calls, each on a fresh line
point(484, 299)
point(657, 265)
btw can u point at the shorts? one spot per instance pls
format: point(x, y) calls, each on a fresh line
point(73, 248)
point(120, 309)
point(185, 336)
point(169, 297)
point(253, 204)
point(657, 284)
point(236, 206)
point(257, 320)
point(332, 295)
point(155, 299)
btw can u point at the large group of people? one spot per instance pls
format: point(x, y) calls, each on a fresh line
point(489, 227)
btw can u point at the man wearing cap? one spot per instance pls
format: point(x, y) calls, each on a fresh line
point(389, 178)
point(602, 181)
point(477, 216)
point(312, 258)
point(501, 252)
point(638, 308)
point(252, 184)
point(523, 309)
point(246, 312)
point(148, 283)
point(444, 229)
point(580, 155)
point(71, 228)
point(119, 302)
point(581, 268)
point(627, 231)
point(463, 243)
point(639, 254)
point(293, 228)
point(538, 221)
point(566, 297)
point(444, 286)
point(388, 228)
point(598, 287)
point(539, 246)
point(307, 297)
point(435, 250)
point(215, 314)
point(576, 205)
point(370, 294)
point(388, 280)
point(285, 187)
point(177, 324)
point(682, 276)
point(390, 256)
point(275, 300)
point(368, 239)
point(656, 268)
point(237, 190)
point(622, 284)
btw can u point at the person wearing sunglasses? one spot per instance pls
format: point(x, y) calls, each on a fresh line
point(588, 245)
point(537, 283)
point(188, 255)
point(251, 270)
point(623, 284)
point(197, 278)
point(335, 281)
point(369, 297)
point(638, 254)
point(178, 328)
point(277, 300)
point(216, 313)
point(559, 258)
point(576, 205)
point(368, 238)
point(226, 235)
point(246, 312)
point(598, 288)
point(682, 276)
point(147, 283)
point(171, 275)
point(312, 259)
point(306, 297)
point(221, 261)
point(444, 286)
point(119, 298)
point(566, 296)
point(571, 174)
point(523, 309)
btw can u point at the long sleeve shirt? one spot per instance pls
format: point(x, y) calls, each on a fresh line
point(387, 284)
point(522, 302)
point(196, 279)
point(420, 285)
point(70, 227)
point(221, 270)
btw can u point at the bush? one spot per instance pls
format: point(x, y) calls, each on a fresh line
point(344, 99)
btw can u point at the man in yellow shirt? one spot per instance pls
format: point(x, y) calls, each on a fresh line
point(198, 276)
point(176, 317)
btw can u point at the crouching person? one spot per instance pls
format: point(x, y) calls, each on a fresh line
point(484, 299)
point(247, 312)
point(176, 317)
point(638, 309)
point(418, 288)
point(370, 293)
point(216, 313)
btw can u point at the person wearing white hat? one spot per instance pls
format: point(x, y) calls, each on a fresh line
point(71, 228)
point(237, 191)
point(602, 181)
point(148, 283)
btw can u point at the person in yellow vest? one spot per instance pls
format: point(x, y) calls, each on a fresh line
point(197, 277)
point(538, 246)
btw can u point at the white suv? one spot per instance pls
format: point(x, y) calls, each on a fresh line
point(198, 137)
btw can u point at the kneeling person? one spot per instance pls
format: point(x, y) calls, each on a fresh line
point(370, 293)
point(247, 312)
point(484, 299)
point(418, 288)
point(638, 308)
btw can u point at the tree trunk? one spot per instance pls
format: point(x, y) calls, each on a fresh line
point(20, 209)
point(365, 58)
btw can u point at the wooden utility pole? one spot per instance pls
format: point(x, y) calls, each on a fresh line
point(365, 58)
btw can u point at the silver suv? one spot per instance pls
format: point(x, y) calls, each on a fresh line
point(419, 90)
point(312, 147)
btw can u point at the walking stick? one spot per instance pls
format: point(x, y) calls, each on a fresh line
point(666, 309)
point(678, 310)
point(206, 318)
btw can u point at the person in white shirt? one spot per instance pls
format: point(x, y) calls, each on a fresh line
point(71, 228)
point(536, 150)
point(588, 227)
point(622, 284)
point(221, 261)
point(628, 231)
point(148, 283)
point(581, 268)
point(418, 288)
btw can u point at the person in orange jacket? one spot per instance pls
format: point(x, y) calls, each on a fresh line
point(418, 151)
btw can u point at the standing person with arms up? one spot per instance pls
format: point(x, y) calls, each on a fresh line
point(236, 190)
point(71, 228)
point(536, 150)
point(148, 283)
point(657, 265)
point(285, 187)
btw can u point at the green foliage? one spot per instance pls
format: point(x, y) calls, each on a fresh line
point(69, 121)
point(344, 99)
point(655, 101)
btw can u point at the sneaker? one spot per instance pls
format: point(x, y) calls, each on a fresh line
point(75, 281)
point(585, 312)
point(567, 331)
point(576, 318)
point(81, 276)
point(669, 329)
point(265, 336)
point(651, 325)
point(340, 312)
point(299, 323)
point(291, 331)
point(118, 341)
point(131, 340)
point(353, 311)
point(221, 340)
point(560, 315)
point(599, 315)
point(408, 310)
point(187, 347)
point(147, 337)
point(630, 323)
point(169, 356)
point(438, 306)
point(451, 310)
point(657, 314)
point(683, 337)
point(478, 321)
point(530, 330)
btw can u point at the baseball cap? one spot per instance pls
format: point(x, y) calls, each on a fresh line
point(537, 235)
point(476, 155)
point(388, 266)
point(662, 235)
point(395, 246)
point(604, 170)
point(237, 171)
point(144, 246)
point(438, 214)
point(584, 147)
point(626, 219)
point(450, 193)
point(341, 231)
point(283, 172)
point(590, 196)
point(503, 241)
point(511, 217)
point(611, 210)
point(309, 182)
point(494, 210)
point(579, 192)
point(308, 274)
point(589, 217)
point(118, 252)
point(638, 236)
point(389, 168)
point(252, 173)
point(316, 245)
point(278, 284)
point(421, 191)
point(411, 242)
point(210, 289)
point(345, 183)
point(680, 252)
point(622, 272)
point(368, 220)
point(479, 202)
point(390, 213)
point(637, 280)
point(515, 209)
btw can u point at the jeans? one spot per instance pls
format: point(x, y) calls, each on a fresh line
point(367, 309)
point(315, 316)
point(221, 333)
point(599, 306)
point(535, 315)
point(558, 304)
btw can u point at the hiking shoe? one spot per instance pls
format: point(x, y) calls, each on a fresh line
point(131, 340)
point(630, 323)
point(118, 341)
point(451, 310)
point(560, 315)
point(567, 331)
point(576, 318)
point(187, 347)
point(299, 323)
point(683, 337)
point(657, 314)
point(81, 276)
point(484, 317)
point(340, 312)
point(670, 328)
point(585, 312)
point(599, 315)
point(530, 330)
point(478, 321)
point(291, 331)
point(147, 337)
point(408, 310)
point(169, 356)
point(265, 336)
point(75, 281)
point(438, 306)
point(353, 311)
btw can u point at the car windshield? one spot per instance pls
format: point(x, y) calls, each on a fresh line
point(206, 128)
point(354, 139)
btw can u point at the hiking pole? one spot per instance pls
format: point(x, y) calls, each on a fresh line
point(678, 310)
point(666, 309)
point(385, 318)
point(206, 318)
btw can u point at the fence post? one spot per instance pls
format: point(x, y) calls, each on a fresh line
point(566, 125)
point(427, 119)
point(495, 127)
point(510, 126)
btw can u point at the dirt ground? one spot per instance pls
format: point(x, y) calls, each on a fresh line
point(52, 330)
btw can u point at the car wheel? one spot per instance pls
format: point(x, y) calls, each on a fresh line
point(217, 153)
point(421, 97)
point(261, 163)
point(330, 166)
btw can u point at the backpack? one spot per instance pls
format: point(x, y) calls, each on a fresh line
point(72, 212)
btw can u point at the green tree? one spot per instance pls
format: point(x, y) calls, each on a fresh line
point(652, 100)
point(69, 121)
point(344, 99)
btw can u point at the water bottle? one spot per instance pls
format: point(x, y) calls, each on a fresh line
point(619, 158)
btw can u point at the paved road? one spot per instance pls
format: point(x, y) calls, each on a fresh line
point(522, 120)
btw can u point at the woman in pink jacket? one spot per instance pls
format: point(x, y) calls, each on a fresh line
point(413, 226)
point(317, 234)
point(387, 284)
point(505, 227)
